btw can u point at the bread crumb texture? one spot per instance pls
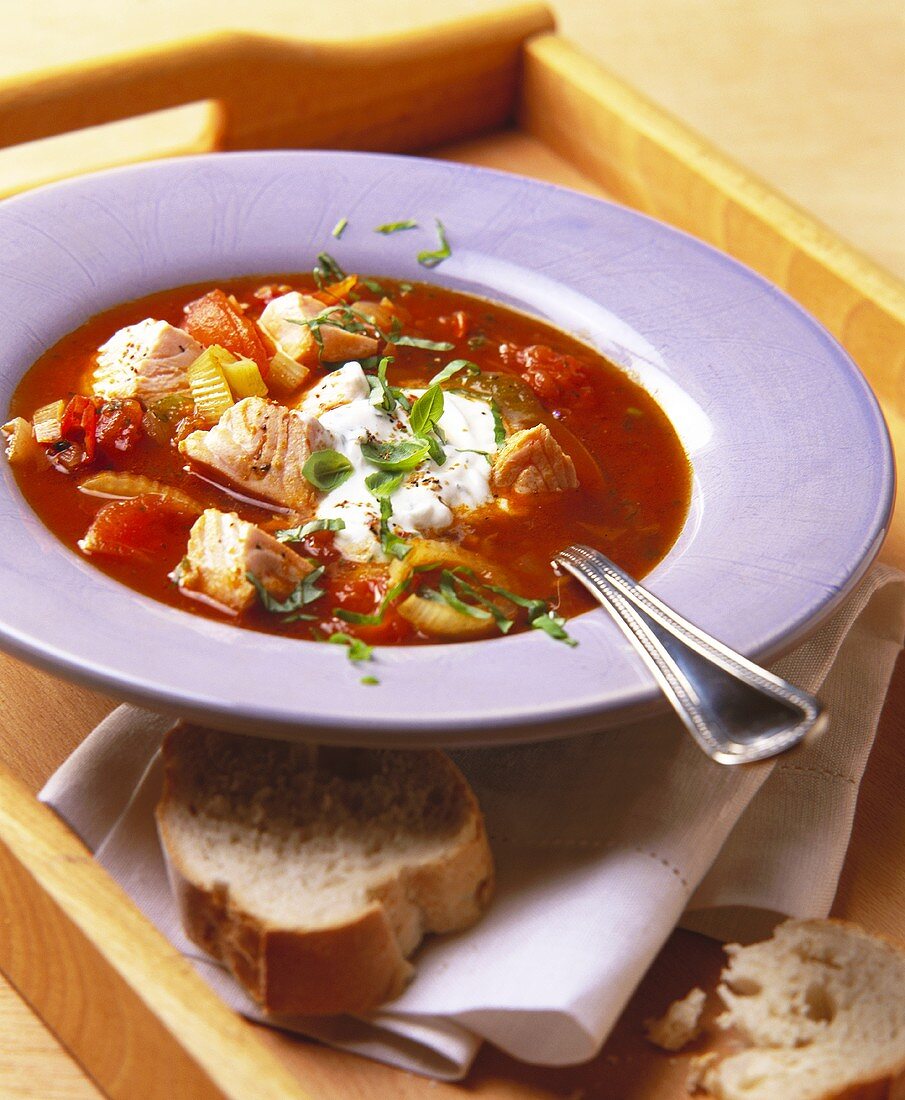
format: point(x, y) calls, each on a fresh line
point(680, 1024)
point(334, 861)
point(822, 1007)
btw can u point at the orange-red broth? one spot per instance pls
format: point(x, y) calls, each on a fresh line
point(634, 475)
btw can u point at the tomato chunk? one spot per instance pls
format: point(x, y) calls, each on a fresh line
point(213, 319)
point(558, 379)
point(119, 426)
point(78, 425)
point(146, 528)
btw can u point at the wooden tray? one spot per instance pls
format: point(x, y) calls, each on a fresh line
point(503, 91)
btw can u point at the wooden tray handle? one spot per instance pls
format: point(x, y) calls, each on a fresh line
point(395, 93)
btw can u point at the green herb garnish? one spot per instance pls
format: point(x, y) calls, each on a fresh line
point(540, 614)
point(392, 544)
point(426, 411)
point(499, 428)
point(340, 228)
point(383, 484)
point(438, 255)
point(396, 227)
point(404, 455)
point(296, 534)
point(372, 285)
point(356, 649)
point(453, 368)
point(305, 592)
point(327, 270)
point(417, 342)
point(375, 618)
point(327, 470)
point(369, 681)
point(392, 395)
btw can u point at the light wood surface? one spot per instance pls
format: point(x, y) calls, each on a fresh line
point(585, 130)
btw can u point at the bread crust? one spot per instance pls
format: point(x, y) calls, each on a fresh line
point(348, 967)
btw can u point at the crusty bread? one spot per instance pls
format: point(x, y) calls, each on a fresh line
point(822, 1007)
point(313, 872)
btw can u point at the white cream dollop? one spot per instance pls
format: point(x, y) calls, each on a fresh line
point(431, 494)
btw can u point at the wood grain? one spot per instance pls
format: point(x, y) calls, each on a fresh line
point(33, 1065)
point(381, 93)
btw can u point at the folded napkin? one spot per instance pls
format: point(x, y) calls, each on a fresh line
point(602, 842)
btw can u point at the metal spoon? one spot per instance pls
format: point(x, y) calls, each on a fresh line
point(735, 710)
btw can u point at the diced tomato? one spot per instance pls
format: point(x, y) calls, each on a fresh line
point(78, 425)
point(146, 527)
point(363, 594)
point(213, 319)
point(119, 426)
point(558, 379)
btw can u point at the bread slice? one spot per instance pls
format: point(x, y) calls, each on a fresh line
point(822, 1005)
point(313, 872)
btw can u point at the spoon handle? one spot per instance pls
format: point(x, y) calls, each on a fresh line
point(736, 711)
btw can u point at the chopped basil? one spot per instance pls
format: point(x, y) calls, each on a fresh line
point(391, 543)
point(405, 288)
point(502, 620)
point(372, 285)
point(386, 455)
point(340, 228)
point(417, 342)
point(296, 534)
point(448, 593)
point(369, 681)
point(327, 470)
point(453, 368)
point(305, 592)
point(499, 428)
point(426, 411)
point(540, 615)
point(392, 395)
point(383, 484)
point(396, 227)
point(327, 270)
point(357, 650)
point(554, 626)
point(438, 255)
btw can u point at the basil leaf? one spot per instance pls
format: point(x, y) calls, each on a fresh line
point(453, 368)
point(540, 615)
point(418, 342)
point(305, 592)
point(327, 470)
point(502, 620)
point(438, 255)
point(340, 228)
point(426, 411)
point(396, 227)
point(372, 285)
point(327, 270)
point(386, 455)
point(296, 534)
point(405, 288)
point(553, 625)
point(357, 650)
point(392, 544)
point(449, 595)
point(499, 428)
point(383, 484)
point(369, 681)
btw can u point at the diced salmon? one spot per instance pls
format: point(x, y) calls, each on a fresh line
point(259, 449)
point(283, 321)
point(147, 360)
point(223, 549)
point(531, 461)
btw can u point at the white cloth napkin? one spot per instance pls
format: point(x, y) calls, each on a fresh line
point(602, 842)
